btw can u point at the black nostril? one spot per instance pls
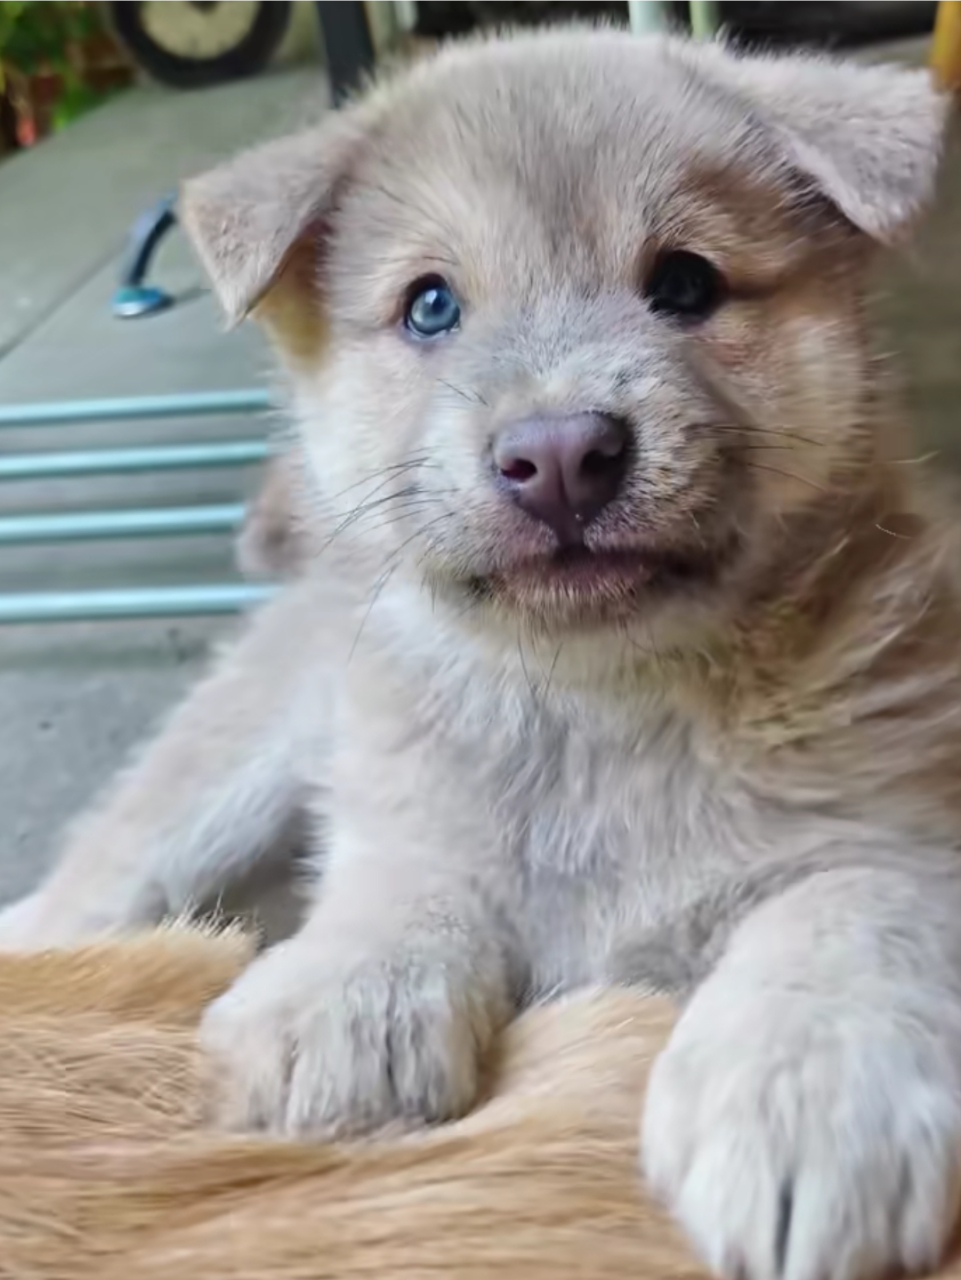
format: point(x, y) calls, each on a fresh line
point(519, 470)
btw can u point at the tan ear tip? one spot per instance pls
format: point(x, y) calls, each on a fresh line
point(234, 311)
point(233, 301)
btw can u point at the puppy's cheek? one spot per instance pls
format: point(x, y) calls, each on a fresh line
point(360, 416)
point(828, 370)
point(802, 372)
point(800, 361)
point(452, 438)
point(819, 412)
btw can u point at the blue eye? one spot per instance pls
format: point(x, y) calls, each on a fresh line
point(432, 309)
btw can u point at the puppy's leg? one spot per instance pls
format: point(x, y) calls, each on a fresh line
point(383, 1006)
point(804, 1121)
point(212, 794)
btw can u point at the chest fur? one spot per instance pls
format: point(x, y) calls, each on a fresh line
point(615, 824)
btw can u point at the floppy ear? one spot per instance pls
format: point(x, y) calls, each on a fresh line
point(259, 217)
point(868, 137)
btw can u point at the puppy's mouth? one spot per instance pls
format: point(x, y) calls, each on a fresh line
point(577, 568)
point(600, 584)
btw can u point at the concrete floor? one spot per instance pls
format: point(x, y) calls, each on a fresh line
point(73, 699)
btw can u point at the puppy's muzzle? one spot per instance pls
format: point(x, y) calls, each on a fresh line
point(563, 471)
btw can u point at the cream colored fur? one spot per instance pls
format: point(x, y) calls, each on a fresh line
point(274, 541)
point(727, 765)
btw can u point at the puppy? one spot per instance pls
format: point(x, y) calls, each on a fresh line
point(628, 650)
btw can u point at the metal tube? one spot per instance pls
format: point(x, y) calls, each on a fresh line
point(648, 16)
point(134, 297)
point(74, 526)
point(87, 462)
point(704, 19)
point(193, 404)
point(142, 602)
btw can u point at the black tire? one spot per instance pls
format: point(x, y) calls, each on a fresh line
point(251, 54)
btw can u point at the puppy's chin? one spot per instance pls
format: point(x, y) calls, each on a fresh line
point(577, 588)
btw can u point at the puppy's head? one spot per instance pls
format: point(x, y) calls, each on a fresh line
point(574, 319)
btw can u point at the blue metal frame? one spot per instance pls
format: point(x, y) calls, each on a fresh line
point(149, 602)
point(134, 297)
point(84, 526)
point(132, 408)
point(101, 462)
point(142, 522)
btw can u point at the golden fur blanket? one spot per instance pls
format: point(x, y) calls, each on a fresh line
point(107, 1169)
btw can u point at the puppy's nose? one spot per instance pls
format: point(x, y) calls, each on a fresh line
point(563, 470)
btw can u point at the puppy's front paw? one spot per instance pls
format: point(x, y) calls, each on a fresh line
point(805, 1143)
point(312, 1047)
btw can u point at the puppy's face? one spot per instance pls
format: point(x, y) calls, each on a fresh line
point(590, 326)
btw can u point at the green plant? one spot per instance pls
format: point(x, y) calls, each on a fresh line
point(40, 34)
point(10, 12)
point(43, 36)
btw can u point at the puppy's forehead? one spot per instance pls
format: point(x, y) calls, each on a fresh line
point(531, 148)
point(527, 107)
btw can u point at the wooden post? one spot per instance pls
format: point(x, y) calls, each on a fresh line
point(946, 46)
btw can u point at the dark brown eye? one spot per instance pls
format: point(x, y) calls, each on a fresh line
point(685, 285)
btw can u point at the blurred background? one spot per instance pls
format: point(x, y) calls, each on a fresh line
point(117, 519)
